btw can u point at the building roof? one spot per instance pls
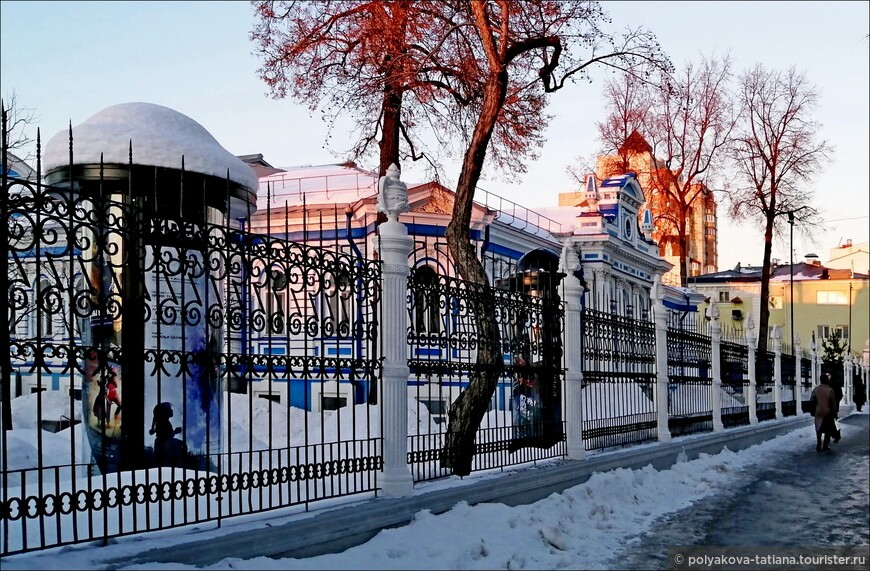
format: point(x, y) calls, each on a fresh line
point(18, 168)
point(800, 271)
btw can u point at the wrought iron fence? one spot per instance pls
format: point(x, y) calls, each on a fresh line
point(690, 408)
point(192, 370)
point(249, 365)
point(523, 422)
point(735, 383)
point(618, 380)
point(765, 407)
point(806, 380)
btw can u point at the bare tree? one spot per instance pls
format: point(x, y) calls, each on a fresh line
point(396, 67)
point(531, 49)
point(681, 127)
point(776, 153)
point(475, 74)
point(18, 120)
point(14, 121)
point(628, 102)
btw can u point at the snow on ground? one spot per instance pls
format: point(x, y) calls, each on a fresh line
point(583, 527)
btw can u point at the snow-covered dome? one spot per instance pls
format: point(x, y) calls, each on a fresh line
point(160, 137)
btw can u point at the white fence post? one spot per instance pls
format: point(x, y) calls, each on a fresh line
point(716, 366)
point(814, 357)
point(847, 378)
point(661, 322)
point(572, 342)
point(750, 347)
point(777, 370)
point(395, 247)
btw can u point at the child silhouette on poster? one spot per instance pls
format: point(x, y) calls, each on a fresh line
point(105, 401)
point(168, 450)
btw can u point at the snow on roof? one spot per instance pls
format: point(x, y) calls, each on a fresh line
point(160, 137)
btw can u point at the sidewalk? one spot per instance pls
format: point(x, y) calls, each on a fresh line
point(334, 529)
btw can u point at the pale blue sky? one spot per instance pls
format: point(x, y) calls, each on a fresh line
point(69, 60)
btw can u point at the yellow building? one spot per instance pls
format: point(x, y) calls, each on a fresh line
point(815, 299)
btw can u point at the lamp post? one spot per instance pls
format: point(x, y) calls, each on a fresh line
point(790, 214)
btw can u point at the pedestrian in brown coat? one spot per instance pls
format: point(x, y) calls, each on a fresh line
point(826, 406)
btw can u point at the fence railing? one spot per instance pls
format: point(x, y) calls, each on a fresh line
point(690, 407)
point(173, 371)
point(169, 366)
point(618, 380)
point(735, 384)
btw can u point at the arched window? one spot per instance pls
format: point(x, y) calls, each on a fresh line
point(427, 307)
point(276, 301)
point(340, 302)
point(43, 304)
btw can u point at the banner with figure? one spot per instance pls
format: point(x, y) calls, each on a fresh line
point(537, 409)
point(181, 380)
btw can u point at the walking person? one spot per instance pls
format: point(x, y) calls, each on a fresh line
point(826, 406)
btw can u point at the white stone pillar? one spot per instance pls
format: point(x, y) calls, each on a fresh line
point(716, 366)
point(814, 374)
point(847, 379)
point(572, 341)
point(395, 247)
point(750, 392)
point(777, 370)
point(661, 324)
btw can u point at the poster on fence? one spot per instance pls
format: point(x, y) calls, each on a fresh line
point(536, 399)
point(182, 396)
point(102, 382)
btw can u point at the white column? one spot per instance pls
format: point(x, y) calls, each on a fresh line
point(716, 366)
point(572, 341)
point(847, 380)
point(814, 374)
point(750, 347)
point(777, 370)
point(395, 247)
point(661, 322)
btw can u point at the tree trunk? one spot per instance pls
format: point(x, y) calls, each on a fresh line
point(764, 313)
point(389, 143)
point(682, 234)
point(468, 410)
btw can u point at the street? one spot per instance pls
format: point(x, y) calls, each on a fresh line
point(804, 499)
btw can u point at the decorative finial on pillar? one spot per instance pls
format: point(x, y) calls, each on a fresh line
point(392, 194)
point(569, 261)
point(656, 291)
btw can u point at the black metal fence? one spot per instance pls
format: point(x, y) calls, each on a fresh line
point(690, 407)
point(765, 407)
point(618, 380)
point(806, 380)
point(524, 418)
point(734, 359)
point(172, 368)
point(169, 365)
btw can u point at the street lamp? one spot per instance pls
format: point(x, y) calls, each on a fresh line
point(791, 272)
